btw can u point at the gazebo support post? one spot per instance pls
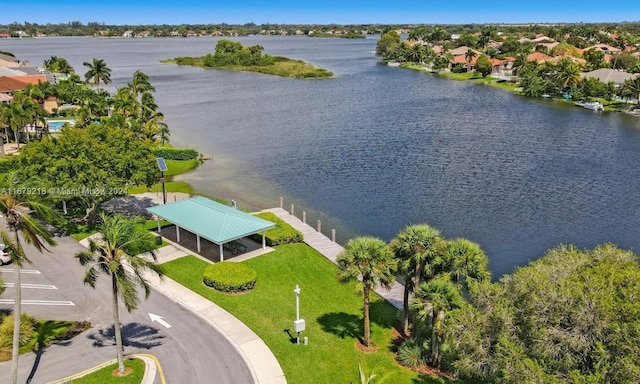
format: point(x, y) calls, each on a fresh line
point(264, 241)
point(159, 227)
point(178, 233)
point(221, 252)
point(198, 242)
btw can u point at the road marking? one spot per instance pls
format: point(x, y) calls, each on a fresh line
point(23, 271)
point(159, 319)
point(32, 286)
point(38, 302)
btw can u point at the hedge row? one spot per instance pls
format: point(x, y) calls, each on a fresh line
point(229, 277)
point(283, 233)
point(176, 153)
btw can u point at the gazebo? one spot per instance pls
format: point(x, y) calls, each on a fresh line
point(211, 220)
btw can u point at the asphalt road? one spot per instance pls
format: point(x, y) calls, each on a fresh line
point(189, 350)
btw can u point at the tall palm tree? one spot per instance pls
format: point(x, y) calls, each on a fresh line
point(121, 242)
point(431, 301)
point(98, 72)
point(463, 261)
point(416, 247)
point(469, 56)
point(631, 88)
point(371, 261)
point(140, 84)
point(21, 223)
point(568, 74)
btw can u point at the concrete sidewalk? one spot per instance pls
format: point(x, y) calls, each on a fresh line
point(259, 359)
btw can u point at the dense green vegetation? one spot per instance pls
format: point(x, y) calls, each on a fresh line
point(171, 153)
point(234, 56)
point(571, 316)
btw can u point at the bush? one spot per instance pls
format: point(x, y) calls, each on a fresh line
point(9, 164)
point(411, 354)
point(169, 153)
point(229, 277)
point(283, 233)
point(27, 325)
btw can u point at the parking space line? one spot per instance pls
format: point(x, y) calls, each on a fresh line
point(32, 286)
point(23, 271)
point(38, 302)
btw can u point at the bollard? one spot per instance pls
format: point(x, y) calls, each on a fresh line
point(281, 202)
point(319, 226)
point(333, 235)
point(306, 340)
point(292, 214)
point(304, 217)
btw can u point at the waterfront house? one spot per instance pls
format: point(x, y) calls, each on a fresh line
point(8, 61)
point(607, 75)
point(538, 57)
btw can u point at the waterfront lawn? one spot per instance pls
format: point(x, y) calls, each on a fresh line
point(105, 375)
point(332, 310)
point(176, 167)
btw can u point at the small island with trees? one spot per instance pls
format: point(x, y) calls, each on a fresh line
point(234, 56)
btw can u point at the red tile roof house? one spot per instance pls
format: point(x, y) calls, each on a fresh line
point(462, 60)
point(538, 57)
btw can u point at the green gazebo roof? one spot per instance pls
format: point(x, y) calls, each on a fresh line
point(211, 220)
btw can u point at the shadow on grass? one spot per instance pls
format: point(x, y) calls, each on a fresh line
point(384, 314)
point(342, 324)
point(134, 335)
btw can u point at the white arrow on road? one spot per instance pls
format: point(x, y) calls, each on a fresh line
point(160, 320)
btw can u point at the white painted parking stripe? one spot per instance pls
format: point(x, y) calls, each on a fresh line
point(32, 286)
point(38, 302)
point(23, 271)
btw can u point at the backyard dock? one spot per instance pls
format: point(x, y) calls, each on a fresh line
point(331, 250)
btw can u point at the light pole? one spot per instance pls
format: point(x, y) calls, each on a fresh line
point(298, 324)
point(163, 167)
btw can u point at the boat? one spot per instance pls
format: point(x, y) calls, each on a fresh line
point(592, 105)
point(393, 64)
point(546, 96)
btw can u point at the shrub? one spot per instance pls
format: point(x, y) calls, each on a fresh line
point(411, 354)
point(229, 277)
point(27, 325)
point(282, 233)
point(9, 164)
point(169, 153)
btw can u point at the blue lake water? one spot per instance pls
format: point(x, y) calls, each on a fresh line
point(376, 148)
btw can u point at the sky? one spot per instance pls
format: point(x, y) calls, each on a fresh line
point(139, 12)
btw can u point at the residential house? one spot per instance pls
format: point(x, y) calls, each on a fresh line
point(8, 61)
point(502, 67)
point(4, 36)
point(538, 57)
point(607, 75)
point(606, 48)
point(127, 34)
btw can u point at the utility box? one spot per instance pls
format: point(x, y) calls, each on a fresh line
point(298, 325)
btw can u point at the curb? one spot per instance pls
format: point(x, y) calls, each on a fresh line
point(152, 366)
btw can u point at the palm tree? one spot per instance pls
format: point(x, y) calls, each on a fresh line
point(371, 261)
point(631, 88)
point(463, 261)
point(98, 72)
point(121, 242)
point(568, 74)
point(21, 223)
point(139, 84)
point(416, 248)
point(431, 301)
point(469, 56)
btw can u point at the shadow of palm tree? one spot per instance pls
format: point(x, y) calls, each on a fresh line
point(48, 332)
point(384, 314)
point(134, 335)
point(342, 324)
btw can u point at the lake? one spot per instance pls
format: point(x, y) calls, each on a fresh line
point(377, 148)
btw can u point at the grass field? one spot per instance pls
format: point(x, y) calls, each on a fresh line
point(332, 310)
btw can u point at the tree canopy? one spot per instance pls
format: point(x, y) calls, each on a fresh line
point(571, 316)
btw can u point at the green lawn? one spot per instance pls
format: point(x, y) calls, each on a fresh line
point(104, 375)
point(333, 314)
point(176, 167)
